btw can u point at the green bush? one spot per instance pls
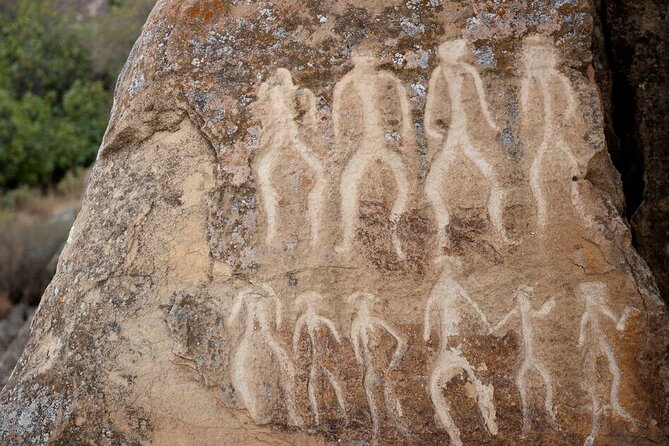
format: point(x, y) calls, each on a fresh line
point(53, 111)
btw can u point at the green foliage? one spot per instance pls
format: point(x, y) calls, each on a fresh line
point(52, 110)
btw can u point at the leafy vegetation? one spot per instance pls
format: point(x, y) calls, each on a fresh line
point(56, 77)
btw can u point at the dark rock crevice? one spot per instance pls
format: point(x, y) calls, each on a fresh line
point(631, 58)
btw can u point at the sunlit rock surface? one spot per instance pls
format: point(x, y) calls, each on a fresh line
point(350, 223)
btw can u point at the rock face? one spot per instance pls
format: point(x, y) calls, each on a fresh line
point(350, 223)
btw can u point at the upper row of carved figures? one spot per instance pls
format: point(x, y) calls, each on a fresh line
point(263, 317)
point(289, 109)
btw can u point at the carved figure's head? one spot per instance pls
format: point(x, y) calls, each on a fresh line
point(522, 295)
point(453, 51)
point(592, 293)
point(308, 299)
point(539, 53)
point(364, 57)
point(361, 300)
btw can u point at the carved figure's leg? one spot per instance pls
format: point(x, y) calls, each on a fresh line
point(537, 187)
point(337, 390)
point(401, 201)
point(317, 193)
point(311, 390)
point(548, 386)
point(589, 366)
point(268, 194)
point(348, 191)
point(522, 389)
point(440, 376)
point(393, 407)
point(433, 189)
point(495, 201)
point(288, 375)
point(615, 384)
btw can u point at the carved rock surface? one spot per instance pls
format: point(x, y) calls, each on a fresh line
point(350, 223)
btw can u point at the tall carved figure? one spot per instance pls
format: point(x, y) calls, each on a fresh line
point(258, 333)
point(543, 83)
point(280, 100)
point(524, 311)
point(592, 338)
point(445, 297)
point(360, 88)
point(310, 321)
point(362, 327)
point(448, 79)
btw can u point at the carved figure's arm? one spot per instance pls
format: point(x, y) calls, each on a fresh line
point(277, 304)
point(237, 304)
point(584, 322)
point(525, 87)
point(427, 329)
point(337, 106)
point(356, 339)
point(505, 319)
point(297, 331)
point(569, 93)
point(546, 308)
point(620, 326)
point(475, 306)
point(480, 91)
point(401, 344)
point(408, 132)
point(331, 326)
point(432, 131)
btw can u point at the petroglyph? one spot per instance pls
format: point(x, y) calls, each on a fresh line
point(524, 311)
point(259, 329)
point(310, 321)
point(360, 88)
point(364, 323)
point(444, 298)
point(280, 132)
point(542, 76)
point(593, 340)
point(449, 78)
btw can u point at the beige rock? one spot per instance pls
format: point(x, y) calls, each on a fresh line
point(347, 223)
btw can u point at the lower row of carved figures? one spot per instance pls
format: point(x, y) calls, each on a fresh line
point(450, 362)
point(290, 113)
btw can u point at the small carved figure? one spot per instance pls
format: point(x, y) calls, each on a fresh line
point(542, 77)
point(449, 77)
point(364, 323)
point(593, 339)
point(310, 321)
point(280, 133)
point(444, 297)
point(363, 83)
point(258, 329)
point(524, 311)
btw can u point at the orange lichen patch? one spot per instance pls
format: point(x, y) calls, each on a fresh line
point(208, 15)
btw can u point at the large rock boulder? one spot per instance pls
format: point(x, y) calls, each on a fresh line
point(350, 223)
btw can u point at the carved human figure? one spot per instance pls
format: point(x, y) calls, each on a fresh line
point(449, 78)
point(592, 339)
point(543, 83)
point(362, 86)
point(281, 132)
point(363, 326)
point(259, 330)
point(523, 309)
point(310, 321)
point(445, 296)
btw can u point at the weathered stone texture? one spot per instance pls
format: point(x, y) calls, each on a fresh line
point(350, 223)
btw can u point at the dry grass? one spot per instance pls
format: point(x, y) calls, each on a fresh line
point(33, 228)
